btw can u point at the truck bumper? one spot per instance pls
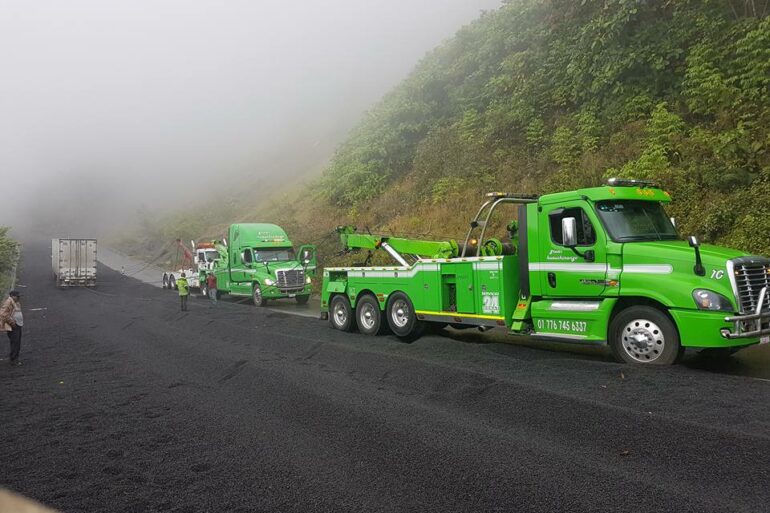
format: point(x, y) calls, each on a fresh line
point(274, 292)
point(77, 282)
point(706, 329)
point(747, 326)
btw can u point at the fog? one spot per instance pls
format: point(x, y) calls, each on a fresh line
point(107, 106)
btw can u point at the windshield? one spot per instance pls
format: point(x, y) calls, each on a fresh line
point(630, 220)
point(211, 255)
point(273, 254)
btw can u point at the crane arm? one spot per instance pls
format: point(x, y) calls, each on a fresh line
point(351, 239)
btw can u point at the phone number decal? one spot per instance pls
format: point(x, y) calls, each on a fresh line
point(562, 325)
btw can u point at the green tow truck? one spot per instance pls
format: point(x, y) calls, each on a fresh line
point(601, 265)
point(258, 260)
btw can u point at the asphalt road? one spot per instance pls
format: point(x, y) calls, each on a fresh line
point(125, 404)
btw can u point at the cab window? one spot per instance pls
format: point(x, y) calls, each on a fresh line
point(586, 236)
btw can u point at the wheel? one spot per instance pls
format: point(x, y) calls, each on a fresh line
point(172, 282)
point(259, 300)
point(368, 315)
point(204, 290)
point(302, 300)
point(643, 334)
point(402, 318)
point(165, 281)
point(341, 313)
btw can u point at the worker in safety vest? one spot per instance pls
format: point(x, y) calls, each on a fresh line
point(184, 291)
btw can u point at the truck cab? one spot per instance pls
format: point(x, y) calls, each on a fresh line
point(607, 264)
point(258, 260)
point(601, 265)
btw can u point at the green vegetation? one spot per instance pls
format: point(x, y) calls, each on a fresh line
point(540, 96)
point(8, 257)
point(548, 95)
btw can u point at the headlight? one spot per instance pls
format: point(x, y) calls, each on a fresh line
point(269, 282)
point(710, 300)
point(308, 280)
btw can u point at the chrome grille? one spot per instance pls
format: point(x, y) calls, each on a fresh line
point(749, 275)
point(290, 279)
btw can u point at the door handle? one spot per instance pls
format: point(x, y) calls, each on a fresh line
point(552, 280)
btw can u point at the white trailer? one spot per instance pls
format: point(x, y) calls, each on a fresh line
point(74, 262)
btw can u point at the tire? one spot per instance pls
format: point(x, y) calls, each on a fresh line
point(644, 335)
point(204, 290)
point(257, 297)
point(368, 315)
point(341, 313)
point(165, 281)
point(402, 318)
point(302, 300)
point(172, 282)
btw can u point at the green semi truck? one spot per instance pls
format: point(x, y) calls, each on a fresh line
point(601, 265)
point(258, 260)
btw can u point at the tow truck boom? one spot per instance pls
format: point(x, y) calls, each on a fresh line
point(396, 246)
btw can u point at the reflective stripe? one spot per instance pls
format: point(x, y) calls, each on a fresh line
point(460, 315)
point(559, 335)
point(575, 306)
point(648, 269)
point(407, 272)
point(593, 268)
point(582, 268)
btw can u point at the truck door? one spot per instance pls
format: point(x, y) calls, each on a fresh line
point(563, 272)
point(306, 256)
point(241, 264)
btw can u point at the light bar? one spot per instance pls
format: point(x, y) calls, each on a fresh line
point(620, 182)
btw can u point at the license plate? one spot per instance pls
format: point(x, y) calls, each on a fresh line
point(292, 295)
point(765, 339)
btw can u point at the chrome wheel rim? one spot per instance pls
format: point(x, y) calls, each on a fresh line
point(340, 314)
point(367, 316)
point(643, 340)
point(257, 295)
point(399, 313)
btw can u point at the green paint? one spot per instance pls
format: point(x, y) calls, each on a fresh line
point(260, 254)
point(627, 255)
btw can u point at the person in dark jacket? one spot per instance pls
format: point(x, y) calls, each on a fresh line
point(11, 321)
point(211, 285)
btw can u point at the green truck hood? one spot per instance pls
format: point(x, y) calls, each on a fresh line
point(665, 269)
point(679, 250)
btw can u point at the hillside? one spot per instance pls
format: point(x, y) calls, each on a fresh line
point(540, 96)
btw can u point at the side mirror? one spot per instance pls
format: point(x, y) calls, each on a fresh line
point(569, 232)
point(673, 221)
point(694, 242)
